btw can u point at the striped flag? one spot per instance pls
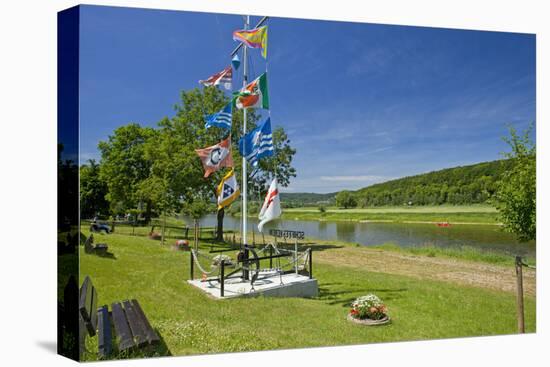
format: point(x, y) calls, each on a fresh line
point(257, 144)
point(224, 77)
point(220, 119)
point(253, 38)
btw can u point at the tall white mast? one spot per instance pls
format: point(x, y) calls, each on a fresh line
point(245, 176)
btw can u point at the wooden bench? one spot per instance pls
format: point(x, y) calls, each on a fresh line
point(131, 328)
point(89, 247)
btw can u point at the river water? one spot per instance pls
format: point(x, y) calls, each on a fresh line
point(485, 237)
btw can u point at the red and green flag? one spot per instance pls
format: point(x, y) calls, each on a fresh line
point(254, 95)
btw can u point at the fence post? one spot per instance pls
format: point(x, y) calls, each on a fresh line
point(191, 266)
point(222, 276)
point(519, 278)
point(310, 263)
point(270, 257)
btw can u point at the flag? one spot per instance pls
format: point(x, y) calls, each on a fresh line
point(271, 208)
point(253, 38)
point(215, 157)
point(236, 61)
point(228, 190)
point(220, 119)
point(223, 77)
point(253, 95)
point(257, 144)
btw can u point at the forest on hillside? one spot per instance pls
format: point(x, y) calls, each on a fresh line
point(470, 184)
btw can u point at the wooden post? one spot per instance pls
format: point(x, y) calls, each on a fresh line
point(270, 257)
point(253, 237)
point(519, 278)
point(196, 239)
point(296, 256)
point(263, 239)
point(310, 263)
point(191, 265)
point(222, 276)
point(163, 227)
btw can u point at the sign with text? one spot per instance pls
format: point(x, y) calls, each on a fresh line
point(283, 233)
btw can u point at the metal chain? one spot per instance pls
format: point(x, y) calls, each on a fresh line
point(213, 267)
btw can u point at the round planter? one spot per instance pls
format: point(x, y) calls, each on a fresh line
point(369, 322)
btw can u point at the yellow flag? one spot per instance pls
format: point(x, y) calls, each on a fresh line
point(228, 190)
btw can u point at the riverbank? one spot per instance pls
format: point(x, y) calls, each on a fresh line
point(427, 298)
point(464, 214)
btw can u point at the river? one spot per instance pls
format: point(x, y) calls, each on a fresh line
point(484, 237)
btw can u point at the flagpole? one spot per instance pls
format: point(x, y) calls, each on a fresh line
point(245, 176)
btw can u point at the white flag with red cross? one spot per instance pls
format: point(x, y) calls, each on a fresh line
point(272, 205)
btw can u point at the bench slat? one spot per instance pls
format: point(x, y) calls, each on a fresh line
point(104, 332)
point(87, 305)
point(152, 336)
point(136, 324)
point(122, 329)
point(93, 315)
point(85, 292)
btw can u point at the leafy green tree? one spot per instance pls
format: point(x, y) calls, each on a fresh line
point(124, 166)
point(346, 199)
point(516, 195)
point(93, 190)
point(175, 161)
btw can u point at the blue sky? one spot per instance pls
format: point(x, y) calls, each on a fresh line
point(362, 103)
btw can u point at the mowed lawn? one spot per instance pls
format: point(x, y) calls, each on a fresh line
point(429, 213)
point(191, 323)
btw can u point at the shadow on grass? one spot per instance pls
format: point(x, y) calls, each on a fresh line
point(337, 294)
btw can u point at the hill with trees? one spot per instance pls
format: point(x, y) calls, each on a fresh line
point(299, 199)
point(470, 184)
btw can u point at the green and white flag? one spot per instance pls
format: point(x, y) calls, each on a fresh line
point(254, 95)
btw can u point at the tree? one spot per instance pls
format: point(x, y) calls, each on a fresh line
point(197, 209)
point(174, 159)
point(346, 199)
point(93, 190)
point(124, 166)
point(516, 195)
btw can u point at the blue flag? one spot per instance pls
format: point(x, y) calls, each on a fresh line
point(257, 144)
point(220, 119)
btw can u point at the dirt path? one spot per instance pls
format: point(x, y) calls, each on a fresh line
point(469, 273)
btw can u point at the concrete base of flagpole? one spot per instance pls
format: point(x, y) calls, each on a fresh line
point(293, 285)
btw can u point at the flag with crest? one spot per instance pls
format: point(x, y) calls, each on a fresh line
point(215, 157)
point(228, 190)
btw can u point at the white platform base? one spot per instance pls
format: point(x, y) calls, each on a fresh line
point(293, 285)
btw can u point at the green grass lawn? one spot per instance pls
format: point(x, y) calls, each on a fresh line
point(191, 323)
point(443, 213)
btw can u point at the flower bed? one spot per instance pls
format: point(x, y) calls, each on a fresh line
point(368, 310)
